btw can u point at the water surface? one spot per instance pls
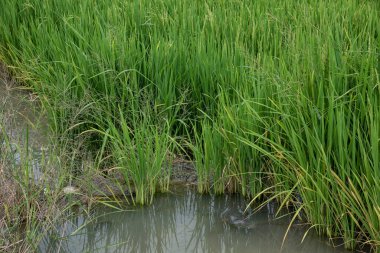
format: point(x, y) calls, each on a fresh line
point(183, 222)
point(22, 121)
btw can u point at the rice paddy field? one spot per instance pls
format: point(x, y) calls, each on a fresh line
point(271, 99)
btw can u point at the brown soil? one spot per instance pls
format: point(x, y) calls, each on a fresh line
point(8, 195)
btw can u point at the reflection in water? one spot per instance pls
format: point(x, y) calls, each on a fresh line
point(23, 123)
point(182, 222)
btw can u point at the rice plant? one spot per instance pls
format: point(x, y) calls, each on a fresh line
point(279, 95)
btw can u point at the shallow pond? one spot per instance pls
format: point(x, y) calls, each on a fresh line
point(23, 123)
point(183, 221)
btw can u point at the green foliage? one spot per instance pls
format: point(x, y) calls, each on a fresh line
point(142, 153)
point(278, 93)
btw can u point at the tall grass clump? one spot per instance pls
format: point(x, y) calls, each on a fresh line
point(143, 154)
point(224, 159)
point(31, 200)
point(273, 96)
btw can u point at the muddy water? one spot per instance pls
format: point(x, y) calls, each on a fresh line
point(19, 112)
point(183, 222)
point(22, 122)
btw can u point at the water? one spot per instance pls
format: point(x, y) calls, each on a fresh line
point(19, 110)
point(23, 123)
point(183, 222)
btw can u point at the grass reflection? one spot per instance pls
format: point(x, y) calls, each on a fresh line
point(181, 222)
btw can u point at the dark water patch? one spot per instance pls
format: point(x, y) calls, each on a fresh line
point(19, 111)
point(23, 126)
point(183, 222)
